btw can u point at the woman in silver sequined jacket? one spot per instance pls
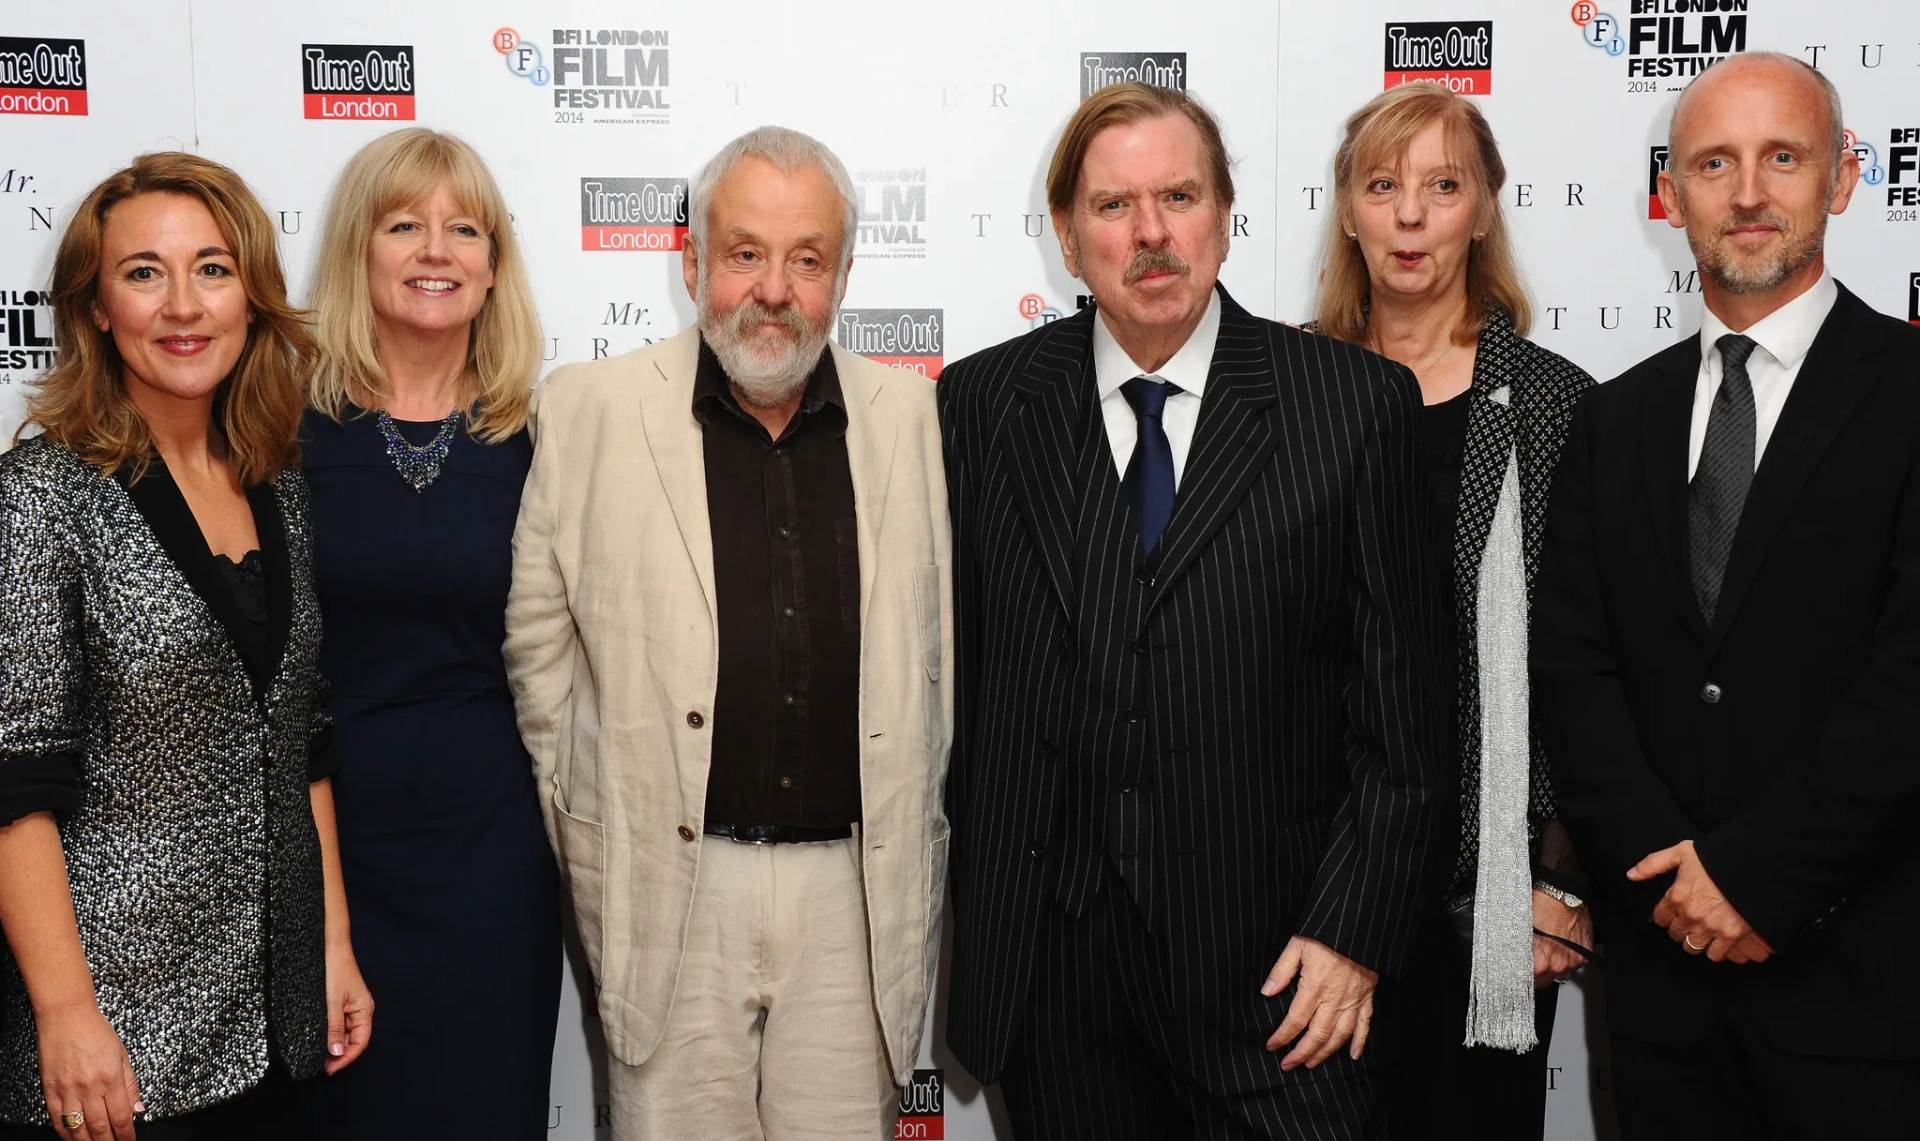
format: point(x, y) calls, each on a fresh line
point(176, 942)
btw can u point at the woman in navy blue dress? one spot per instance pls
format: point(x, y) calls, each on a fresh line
point(416, 448)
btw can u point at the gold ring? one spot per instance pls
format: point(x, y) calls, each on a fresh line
point(1688, 940)
point(73, 1120)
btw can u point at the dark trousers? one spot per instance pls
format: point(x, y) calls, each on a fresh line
point(265, 1111)
point(1739, 1084)
point(1455, 1091)
point(1091, 1061)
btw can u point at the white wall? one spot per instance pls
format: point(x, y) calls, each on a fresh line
point(947, 113)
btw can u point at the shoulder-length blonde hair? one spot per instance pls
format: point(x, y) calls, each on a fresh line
point(503, 348)
point(1379, 135)
point(82, 401)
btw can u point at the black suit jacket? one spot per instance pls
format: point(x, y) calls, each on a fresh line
point(1785, 738)
point(1261, 691)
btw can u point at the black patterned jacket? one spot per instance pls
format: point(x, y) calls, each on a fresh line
point(1544, 387)
point(191, 850)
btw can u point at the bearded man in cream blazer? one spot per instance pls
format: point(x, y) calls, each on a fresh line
point(728, 640)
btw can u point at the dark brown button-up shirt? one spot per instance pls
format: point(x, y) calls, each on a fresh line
point(786, 577)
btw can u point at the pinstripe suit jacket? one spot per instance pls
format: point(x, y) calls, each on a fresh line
point(1254, 708)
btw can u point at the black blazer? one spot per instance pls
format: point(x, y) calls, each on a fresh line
point(1244, 723)
point(1782, 738)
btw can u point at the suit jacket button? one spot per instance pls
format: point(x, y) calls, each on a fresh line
point(694, 720)
point(1144, 577)
point(1710, 693)
point(686, 833)
point(1036, 851)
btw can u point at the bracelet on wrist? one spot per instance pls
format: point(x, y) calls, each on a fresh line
point(1566, 898)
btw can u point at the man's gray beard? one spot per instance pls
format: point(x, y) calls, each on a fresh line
point(762, 382)
point(1746, 277)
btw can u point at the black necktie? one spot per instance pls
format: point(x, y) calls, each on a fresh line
point(1149, 479)
point(1720, 482)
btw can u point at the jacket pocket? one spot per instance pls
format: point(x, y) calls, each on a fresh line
point(583, 856)
point(926, 598)
point(936, 900)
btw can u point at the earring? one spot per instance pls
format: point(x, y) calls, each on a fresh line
point(1351, 236)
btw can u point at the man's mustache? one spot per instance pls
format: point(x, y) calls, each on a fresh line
point(1156, 261)
point(1761, 217)
point(746, 319)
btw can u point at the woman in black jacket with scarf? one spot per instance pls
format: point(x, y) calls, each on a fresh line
point(1419, 267)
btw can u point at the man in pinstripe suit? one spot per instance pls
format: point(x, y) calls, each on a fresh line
point(1194, 782)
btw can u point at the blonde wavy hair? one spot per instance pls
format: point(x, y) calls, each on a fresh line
point(82, 400)
point(1379, 135)
point(503, 349)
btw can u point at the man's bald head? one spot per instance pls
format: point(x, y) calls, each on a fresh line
point(1755, 165)
point(1728, 77)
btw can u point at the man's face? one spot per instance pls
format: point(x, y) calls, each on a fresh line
point(1753, 176)
point(769, 280)
point(1144, 230)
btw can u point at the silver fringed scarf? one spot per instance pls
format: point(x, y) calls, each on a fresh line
point(1500, 994)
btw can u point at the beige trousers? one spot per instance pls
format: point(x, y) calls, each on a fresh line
point(773, 1033)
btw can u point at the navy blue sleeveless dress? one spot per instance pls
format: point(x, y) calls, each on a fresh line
point(452, 888)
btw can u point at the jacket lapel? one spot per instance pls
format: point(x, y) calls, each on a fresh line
point(871, 436)
point(1666, 413)
point(1829, 387)
point(1491, 436)
point(1231, 443)
point(674, 440)
point(1041, 446)
point(171, 520)
point(270, 524)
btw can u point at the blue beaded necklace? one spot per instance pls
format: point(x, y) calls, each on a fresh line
point(418, 466)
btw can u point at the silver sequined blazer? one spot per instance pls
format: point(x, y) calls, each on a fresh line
point(193, 857)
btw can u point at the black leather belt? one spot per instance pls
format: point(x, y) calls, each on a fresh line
point(778, 833)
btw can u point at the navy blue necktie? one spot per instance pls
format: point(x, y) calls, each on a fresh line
point(1149, 479)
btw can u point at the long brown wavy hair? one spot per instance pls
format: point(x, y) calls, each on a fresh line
point(82, 400)
point(1378, 135)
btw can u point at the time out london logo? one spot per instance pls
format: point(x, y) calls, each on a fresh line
point(1159, 69)
point(42, 77)
point(633, 214)
point(1457, 54)
point(923, 1108)
point(1656, 163)
point(357, 81)
point(904, 338)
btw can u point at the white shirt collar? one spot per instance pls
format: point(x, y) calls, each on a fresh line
point(1787, 332)
point(1112, 367)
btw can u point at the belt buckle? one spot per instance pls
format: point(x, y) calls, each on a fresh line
point(733, 834)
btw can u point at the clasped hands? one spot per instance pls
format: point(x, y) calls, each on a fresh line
point(1695, 913)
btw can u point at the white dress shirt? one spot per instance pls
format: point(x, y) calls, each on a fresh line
point(1112, 367)
point(1783, 338)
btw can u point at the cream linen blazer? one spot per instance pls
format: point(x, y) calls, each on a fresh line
point(613, 654)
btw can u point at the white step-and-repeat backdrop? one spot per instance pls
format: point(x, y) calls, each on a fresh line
point(594, 114)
